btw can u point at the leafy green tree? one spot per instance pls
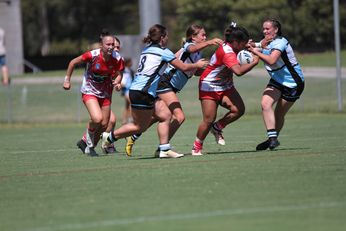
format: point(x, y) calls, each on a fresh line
point(308, 24)
point(78, 21)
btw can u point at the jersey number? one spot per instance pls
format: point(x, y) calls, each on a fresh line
point(141, 64)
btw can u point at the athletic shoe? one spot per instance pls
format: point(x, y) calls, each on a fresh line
point(81, 145)
point(270, 143)
point(104, 141)
point(263, 146)
point(90, 151)
point(273, 143)
point(157, 153)
point(218, 136)
point(196, 152)
point(170, 154)
point(110, 149)
point(129, 144)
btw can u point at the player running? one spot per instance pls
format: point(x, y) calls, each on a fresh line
point(102, 73)
point(216, 87)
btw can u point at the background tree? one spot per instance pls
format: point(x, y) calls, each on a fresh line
point(67, 27)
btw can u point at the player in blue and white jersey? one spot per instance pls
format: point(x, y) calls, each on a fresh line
point(173, 80)
point(153, 61)
point(286, 83)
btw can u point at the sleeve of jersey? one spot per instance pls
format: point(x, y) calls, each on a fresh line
point(279, 44)
point(187, 45)
point(87, 56)
point(121, 65)
point(168, 55)
point(230, 59)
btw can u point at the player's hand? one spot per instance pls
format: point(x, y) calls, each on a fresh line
point(267, 39)
point(202, 63)
point(117, 86)
point(67, 85)
point(215, 41)
point(250, 44)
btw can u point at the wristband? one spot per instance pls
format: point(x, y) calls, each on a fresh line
point(67, 79)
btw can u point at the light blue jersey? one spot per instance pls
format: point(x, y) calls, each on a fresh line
point(286, 70)
point(153, 62)
point(180, 78)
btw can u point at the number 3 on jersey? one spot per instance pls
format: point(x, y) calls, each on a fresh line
point(141, 63)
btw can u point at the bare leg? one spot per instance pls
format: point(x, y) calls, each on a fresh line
point(178, 117)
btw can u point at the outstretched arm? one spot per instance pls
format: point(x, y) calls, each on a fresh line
point(70, 68)
point(177, 63)
point(199, 46)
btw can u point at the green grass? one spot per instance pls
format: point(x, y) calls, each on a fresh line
point(325, 59)
point(50, 103)
point(46, 184)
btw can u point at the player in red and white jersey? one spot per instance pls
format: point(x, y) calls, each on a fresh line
point(216, 87)
point(102, 73)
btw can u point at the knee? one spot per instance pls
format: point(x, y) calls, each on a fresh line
point(180, 117)
point(97, 119)
point(238, 111)
point(208, 121)
point(164, 116)
point(266, 106)
point(241, 110)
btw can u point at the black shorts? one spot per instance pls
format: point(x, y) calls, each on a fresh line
point(288, 94)
point(141, 100)
point(165, 85)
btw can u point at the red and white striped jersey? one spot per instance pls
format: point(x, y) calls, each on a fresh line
point(218, 76)
point(99, 73)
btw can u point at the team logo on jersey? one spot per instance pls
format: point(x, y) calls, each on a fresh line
point(97, 66)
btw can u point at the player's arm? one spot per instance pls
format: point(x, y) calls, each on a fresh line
point(269, 59)
point(177, 63)
point(70, 69)
point(117, 81)
point(244, 68)
point(199, 46)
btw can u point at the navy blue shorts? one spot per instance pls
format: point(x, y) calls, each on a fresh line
point(165, 85)
point(141, 100)
point(288, 94)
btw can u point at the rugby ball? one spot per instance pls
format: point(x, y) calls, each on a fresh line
point(244, 57)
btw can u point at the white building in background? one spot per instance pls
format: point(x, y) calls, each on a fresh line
point(11, 22)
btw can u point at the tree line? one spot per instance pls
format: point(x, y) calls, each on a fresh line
point(67, 27)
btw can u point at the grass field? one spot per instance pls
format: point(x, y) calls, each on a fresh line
point(46, 184)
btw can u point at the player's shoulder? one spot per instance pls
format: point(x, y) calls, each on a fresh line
point(95, 52)
point(279, 41)
point(226, 48)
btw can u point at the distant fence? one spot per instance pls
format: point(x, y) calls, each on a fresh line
point(44, 100)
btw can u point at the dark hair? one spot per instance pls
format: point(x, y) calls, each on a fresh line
point(155, 33)
point(104, 33)
point(236, 33)
point(192, 30)
point(276, 24)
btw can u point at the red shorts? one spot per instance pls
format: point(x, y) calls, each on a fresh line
point(215, 95)
point(102, 101)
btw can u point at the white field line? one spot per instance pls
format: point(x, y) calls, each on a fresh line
point(185, 216)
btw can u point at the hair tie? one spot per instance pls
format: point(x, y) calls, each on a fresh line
point(233, 25)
